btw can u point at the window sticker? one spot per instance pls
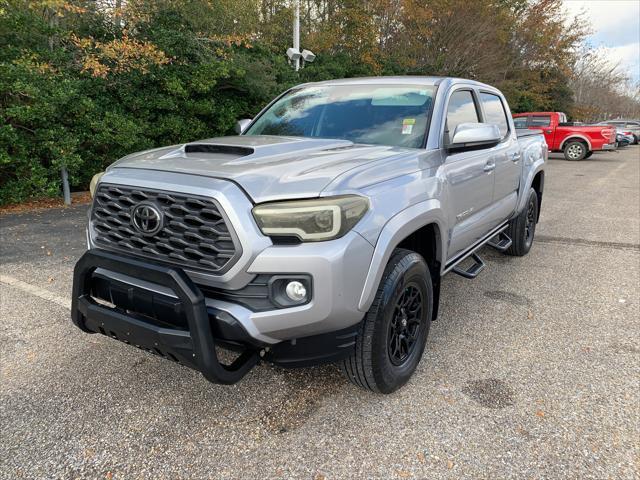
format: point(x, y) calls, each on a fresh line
point(407, 125)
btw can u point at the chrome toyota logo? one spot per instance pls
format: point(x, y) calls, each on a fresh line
point(146, 218)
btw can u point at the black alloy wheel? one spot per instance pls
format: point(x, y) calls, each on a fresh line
point(404, 327)
point(522, 228)
point(530, 225)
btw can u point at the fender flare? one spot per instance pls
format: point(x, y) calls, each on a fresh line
point(394, 231)
point(536, 168)
point(577, 135)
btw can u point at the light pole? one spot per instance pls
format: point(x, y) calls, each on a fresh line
point(294, 54)
point(296, 32)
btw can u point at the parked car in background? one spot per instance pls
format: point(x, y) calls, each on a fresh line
point(577, 142)
point(624, 138)
point(631, 126)
point(319, 234)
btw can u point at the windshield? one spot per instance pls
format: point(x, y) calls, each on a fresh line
point(394, 115)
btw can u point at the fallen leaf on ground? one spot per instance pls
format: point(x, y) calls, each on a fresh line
point(77, 198)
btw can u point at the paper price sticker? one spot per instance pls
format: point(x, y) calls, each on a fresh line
point(407, 125)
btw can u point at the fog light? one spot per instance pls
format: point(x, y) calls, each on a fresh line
point(296, 291)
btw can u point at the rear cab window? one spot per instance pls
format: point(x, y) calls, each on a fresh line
point(539, 121)
point(461, 109)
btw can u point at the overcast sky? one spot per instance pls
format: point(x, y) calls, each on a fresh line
point(616, 26)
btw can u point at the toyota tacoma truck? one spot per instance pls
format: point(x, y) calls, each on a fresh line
point(576, 142)
point(320, 233)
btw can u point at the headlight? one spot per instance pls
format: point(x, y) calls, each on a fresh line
point(311, 220)
point(94, 181)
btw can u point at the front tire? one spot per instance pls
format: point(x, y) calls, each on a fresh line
point(589, 153)
point(522, 228)
point(394, 331)
point(575, 151)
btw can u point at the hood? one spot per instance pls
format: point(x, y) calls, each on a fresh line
point(268, 167)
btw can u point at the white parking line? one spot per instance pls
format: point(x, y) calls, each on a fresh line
point(37, 291)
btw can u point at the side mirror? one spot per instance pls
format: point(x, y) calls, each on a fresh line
point(241, 125)
point(475, 135)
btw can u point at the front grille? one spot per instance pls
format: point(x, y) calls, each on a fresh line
point(194, 233)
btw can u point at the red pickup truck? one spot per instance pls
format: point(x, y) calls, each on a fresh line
point(575, 141)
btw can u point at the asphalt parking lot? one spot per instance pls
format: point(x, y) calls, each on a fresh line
point(531, 371)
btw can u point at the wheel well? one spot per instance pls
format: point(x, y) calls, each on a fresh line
point(575, 139)
point(538, 186)
point(426, 242)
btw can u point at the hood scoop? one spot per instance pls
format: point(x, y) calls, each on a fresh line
point(235, 150)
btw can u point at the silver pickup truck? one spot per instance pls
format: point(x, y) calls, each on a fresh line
point(319, 234)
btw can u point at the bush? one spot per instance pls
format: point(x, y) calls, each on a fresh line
point(91, 100)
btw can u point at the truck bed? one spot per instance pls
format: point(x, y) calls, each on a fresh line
point(527, 132)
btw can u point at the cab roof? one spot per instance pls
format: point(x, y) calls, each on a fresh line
point(401, 80)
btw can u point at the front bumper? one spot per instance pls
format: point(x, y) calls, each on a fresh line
point(174, 319)
point(609, 146)
point(337, 269)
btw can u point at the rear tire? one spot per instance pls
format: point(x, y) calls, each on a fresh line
point(575, 151)
point(522, 228)
point(394, 331)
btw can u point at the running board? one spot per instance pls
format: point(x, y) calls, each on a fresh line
point(503, 242)
point(474, 270)
point(470, 252)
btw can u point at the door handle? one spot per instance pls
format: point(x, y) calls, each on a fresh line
point(489, 167)
point(515, 157)
point(549, 132)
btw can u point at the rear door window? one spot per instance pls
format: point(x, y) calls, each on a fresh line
point(540, 121)
point(494, 112)
point(461, 109)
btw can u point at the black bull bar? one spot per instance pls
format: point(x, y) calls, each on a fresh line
point(194, 348)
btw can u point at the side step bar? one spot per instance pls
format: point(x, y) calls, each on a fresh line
point(500, 242)
point(474, 270)
point(478, 265)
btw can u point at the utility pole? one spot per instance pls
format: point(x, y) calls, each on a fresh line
point(296, 31)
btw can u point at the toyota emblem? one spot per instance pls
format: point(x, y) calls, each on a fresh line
point(146, 218)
